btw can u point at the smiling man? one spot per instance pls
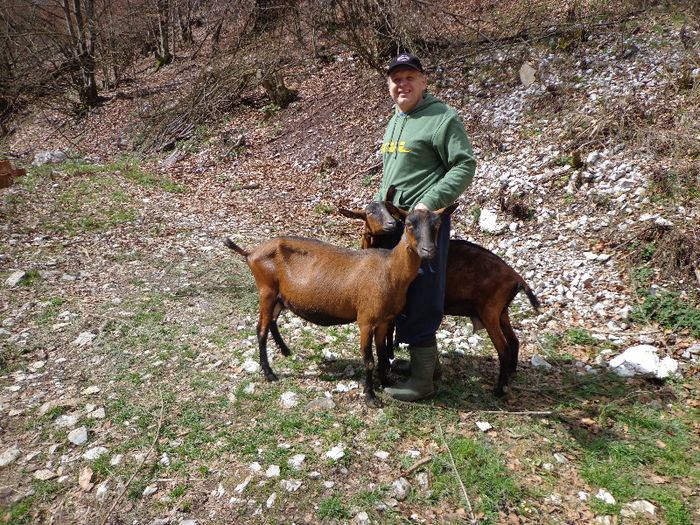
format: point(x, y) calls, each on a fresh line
point(428, 158)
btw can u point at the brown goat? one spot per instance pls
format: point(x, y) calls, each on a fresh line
point(329, 285)
point(480, 285)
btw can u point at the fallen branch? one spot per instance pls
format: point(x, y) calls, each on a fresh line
point(155, 440)
point(418, 464)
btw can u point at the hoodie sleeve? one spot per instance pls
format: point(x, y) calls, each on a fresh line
point(454, 149)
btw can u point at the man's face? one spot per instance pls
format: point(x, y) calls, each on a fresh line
point(406, 87)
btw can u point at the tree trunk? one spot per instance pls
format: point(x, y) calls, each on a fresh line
point(163, 54)
point(81, 30)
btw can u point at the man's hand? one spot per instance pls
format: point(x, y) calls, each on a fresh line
point(421, 206)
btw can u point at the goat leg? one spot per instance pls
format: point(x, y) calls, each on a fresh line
point(513, 348)
point(265, 319)
point(278, 338)
point(493, 328)
point(366, 351)
point(381, 335)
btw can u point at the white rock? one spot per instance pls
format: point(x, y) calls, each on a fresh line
point(489, 223)
point(15, 278)
point(483, 426)
point(78, 436)
point(583, 496)
point(251, 366)
point(296, 461)
point(67, 420)
point(539, 362)
point(290, 485)
point(44, 474)
point(116, 460)
point(605, 496)
point(381, 454)
point(271, 500)
point(95, 453)
point(242, 486)
point(592, 157)
point(49, 157)
point(101, 491)
point(642, 506)
point(84, 339)
point(400, 489)
point(290, 399)
point(336, 452)
point(255, 467)
point(272, 471)
point(527, 74)
point(165, 460)
point(149, 491)
point(642, 360)
point(10, 455)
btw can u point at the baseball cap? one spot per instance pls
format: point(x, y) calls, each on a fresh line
point(405, 59)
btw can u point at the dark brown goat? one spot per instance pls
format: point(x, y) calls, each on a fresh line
point(329, 285)
point(479, 285)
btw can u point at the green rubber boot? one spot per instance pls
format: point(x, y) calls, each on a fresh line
point(420, 384)
point(403, 367)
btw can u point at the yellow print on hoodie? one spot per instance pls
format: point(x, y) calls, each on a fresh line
point(391, 147)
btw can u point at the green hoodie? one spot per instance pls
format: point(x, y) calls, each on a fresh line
point(427, 156)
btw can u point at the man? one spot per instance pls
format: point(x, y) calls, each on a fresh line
point(428, 158)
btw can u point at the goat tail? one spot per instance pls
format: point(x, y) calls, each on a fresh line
point(233, 246)
point(534, 301)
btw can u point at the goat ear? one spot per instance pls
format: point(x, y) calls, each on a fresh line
point(390, 193)
point(353, 214)
point(395, 211)
point(447, 210)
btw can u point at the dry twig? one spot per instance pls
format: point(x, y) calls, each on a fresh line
point(454, 467)
point(138, 468)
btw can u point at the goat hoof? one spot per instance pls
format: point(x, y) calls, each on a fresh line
point(270, 376)
point(374, 402)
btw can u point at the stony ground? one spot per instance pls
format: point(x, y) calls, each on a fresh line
point(130, 385)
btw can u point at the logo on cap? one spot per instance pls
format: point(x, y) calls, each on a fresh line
point(403, 58)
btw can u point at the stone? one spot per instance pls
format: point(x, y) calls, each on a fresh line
point(321, 403)
point(44, 474)
point(95, 453)
point(15, 278)
point(78, 436)
point(489, 223)
point(605, 496)
point(149, 491)
point(102, 490)
point(527, 74)
point(483, 426)
point(296, 461)
point(67, 420)
point(289, 399)
point(49, 157)
point(251, 366)
point(10, 455)
point(84, 339)
point(400, 489)
point(336, 453)
point(539, 362)
point(643, 361)
point(273, 471)
point(290, 485)
point(641, 506)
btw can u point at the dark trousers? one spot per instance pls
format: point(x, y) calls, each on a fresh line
point(425, 300)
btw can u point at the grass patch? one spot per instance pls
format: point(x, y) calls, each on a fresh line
point(482, 470)
point(670, 311)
